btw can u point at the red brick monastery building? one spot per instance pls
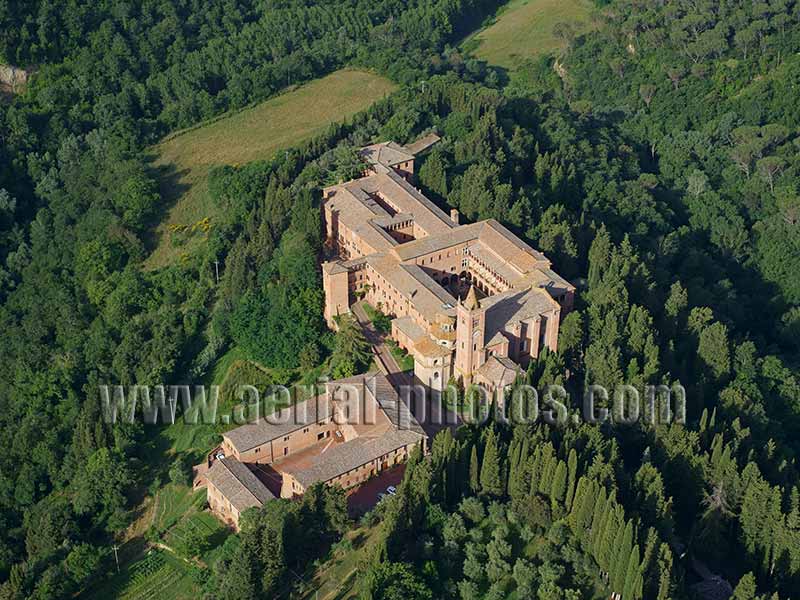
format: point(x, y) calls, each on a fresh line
point(470, 301)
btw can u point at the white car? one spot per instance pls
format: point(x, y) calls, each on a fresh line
point(391, 490)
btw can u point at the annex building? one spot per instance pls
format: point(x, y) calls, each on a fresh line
point(352, 431)
point(469, 301)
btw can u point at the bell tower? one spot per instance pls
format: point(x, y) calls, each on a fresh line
point(470, 332)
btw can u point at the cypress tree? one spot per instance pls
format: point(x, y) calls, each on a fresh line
point(547, 468)
point(441, 456)
point(580, 494)
point(600, 515)
point(599, 256)
point(491, 480)
point(716, 449)
point(612, 530)
point(572, 473)
point(513, 453)
point(619, 555)
point(664, 573)
point(631, 578)
point(534, 470)
point(746, 588)
point(513, 465)
point(584, 502)
point(518, 485)
point(558, 489)
point(525, 451)
point(474, 470)
point(650, 560)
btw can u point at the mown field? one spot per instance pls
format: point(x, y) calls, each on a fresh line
point(185, 158)
point(524, 30)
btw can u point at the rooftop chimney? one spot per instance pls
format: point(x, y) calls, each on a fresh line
point(454, 216)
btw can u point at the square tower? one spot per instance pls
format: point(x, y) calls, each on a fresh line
point(470, 333)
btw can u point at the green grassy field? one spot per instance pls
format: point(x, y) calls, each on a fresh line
point(524, 30)
point(232, 370)
point(173, 502)
point(255, 133)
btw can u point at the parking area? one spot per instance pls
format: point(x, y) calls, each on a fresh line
point(366, 496)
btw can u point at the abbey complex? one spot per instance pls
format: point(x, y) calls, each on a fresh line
point(470, 302)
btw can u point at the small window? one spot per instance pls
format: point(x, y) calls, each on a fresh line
point(286, 439)
point(258, 450)
point(305, 430)
point(320, 435)
point(285, 451)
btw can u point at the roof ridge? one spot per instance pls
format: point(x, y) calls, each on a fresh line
point(239, 479)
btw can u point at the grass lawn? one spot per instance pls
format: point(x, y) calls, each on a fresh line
point(251, 134)
point(380, 321)
point(404, 360)
point(206, 525)
point(173, 502)
point(524, 30)
point(231, 371)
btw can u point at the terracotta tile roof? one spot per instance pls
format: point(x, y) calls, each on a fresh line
point(436, 243)
point(504, 243)
point(376, 388)
point(387, 154)
point(409, 327)
point(237, 483)
point(422, 342)
point(394, 407)
point(471, 301)
point(498, 371)
point(556, 282)
point(341, 458)
point(422, 144)
point(415, 285)
point(279, 424)
point(511, 307)
point(427, 347)
point(396, 191)
point(498, 339)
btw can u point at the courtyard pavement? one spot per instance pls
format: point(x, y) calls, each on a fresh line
point(366, 495)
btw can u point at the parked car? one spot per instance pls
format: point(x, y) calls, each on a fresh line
point(391, 490)
point(381, 496)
